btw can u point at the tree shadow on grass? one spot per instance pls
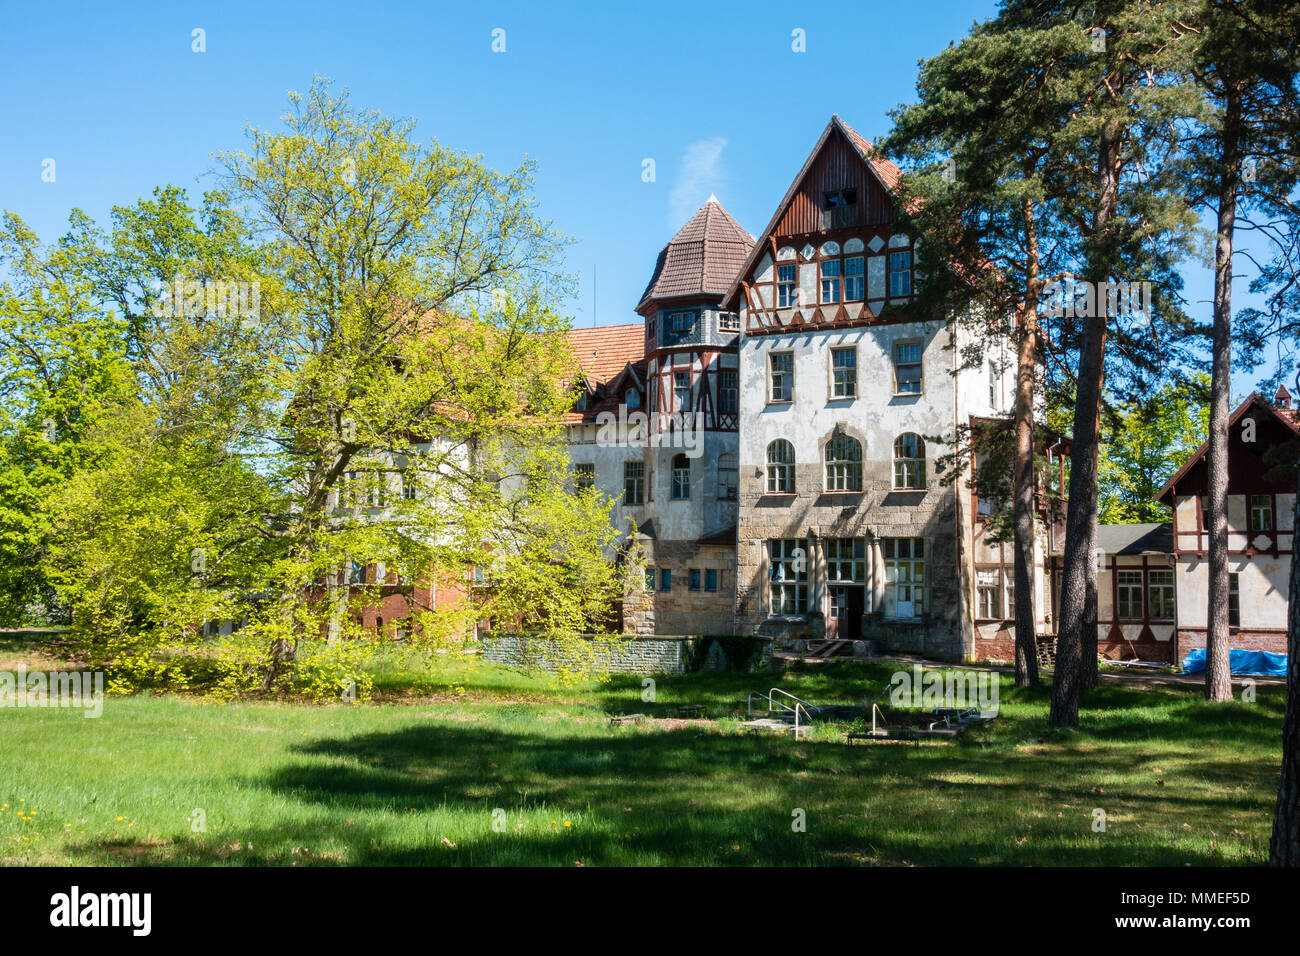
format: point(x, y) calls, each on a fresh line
point(635, 795)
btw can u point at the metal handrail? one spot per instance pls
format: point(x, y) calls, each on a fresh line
point(799, 705)
point(777, 690)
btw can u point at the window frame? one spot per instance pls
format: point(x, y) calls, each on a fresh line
point(786, 378)
point(728, 490)
point(728, 391)
point(844, 378)
point(919, 364)
point(893, 272)
point(634, 481)
point(680, 479)
point(1157, 605)
point(915, 562)
point(784, 580)
point(988, 594)
point(832, 282)
point(783, 467)
point(1124, 591)
point(843, 475)
point(909, 470)
point(857, 278)
point(1261, 505)
point(787, 290)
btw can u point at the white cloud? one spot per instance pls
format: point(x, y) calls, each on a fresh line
point(700, 175)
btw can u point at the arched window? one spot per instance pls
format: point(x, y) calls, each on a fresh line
point(843, 464)
point(909, 461)
point(632, 398)
point(728, 477)
point(681, 477)
point(780, 467)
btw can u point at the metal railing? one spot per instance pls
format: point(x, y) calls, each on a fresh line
point(799, 705)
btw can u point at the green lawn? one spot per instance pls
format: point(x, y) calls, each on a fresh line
point(416, 779)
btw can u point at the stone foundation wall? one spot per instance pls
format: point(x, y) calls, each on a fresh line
point(680, 610)
point(644, 655)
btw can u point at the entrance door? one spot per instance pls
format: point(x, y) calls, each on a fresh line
point(844, 621)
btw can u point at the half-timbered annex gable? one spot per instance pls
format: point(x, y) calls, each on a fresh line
point(829, 257)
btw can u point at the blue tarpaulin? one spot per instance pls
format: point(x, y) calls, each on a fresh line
point(1240, 662)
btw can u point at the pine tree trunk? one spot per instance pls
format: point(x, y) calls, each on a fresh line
point(1285, 848)
point(1026, 357)
point(1080, 519)
point(1088, 632)
point(1218, 680)
point(1078, 600)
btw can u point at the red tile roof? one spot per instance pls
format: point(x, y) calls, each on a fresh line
point(887, 171)
point(704, 257)
point(602, 353)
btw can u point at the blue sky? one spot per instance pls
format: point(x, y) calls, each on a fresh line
point(713, 93)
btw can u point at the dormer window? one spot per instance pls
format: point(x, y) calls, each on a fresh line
point(581, 404)
point(632, 398)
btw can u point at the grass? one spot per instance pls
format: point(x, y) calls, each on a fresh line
point(474, 764)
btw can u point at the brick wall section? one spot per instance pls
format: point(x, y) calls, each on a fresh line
point(1274, 642)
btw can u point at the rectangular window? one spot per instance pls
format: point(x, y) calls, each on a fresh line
point(900, 275)
point(1234, 600)
point(649, 579)
point(988, 590)
point(1128, 595)
point(1009, 580)
point(787, 293)
point(666, 579)
point(711, 579)
point(844, 373)
point(728, 392)
point(846, 560)
point(788, 571)
point(831, 280)
point(1160, 594)
point(729, 321)
point(584, 477)
point(357, 573)
point(728, 477)
point(633, 482)
point(907, 368)
point(682, 391)
point(681, 489)
point(681, 321)
point(1261, 512)
point(904, 577)
point(781, 376)
point(409, 487)
point(853, 279)
point(994, 381)
point(694, 584)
